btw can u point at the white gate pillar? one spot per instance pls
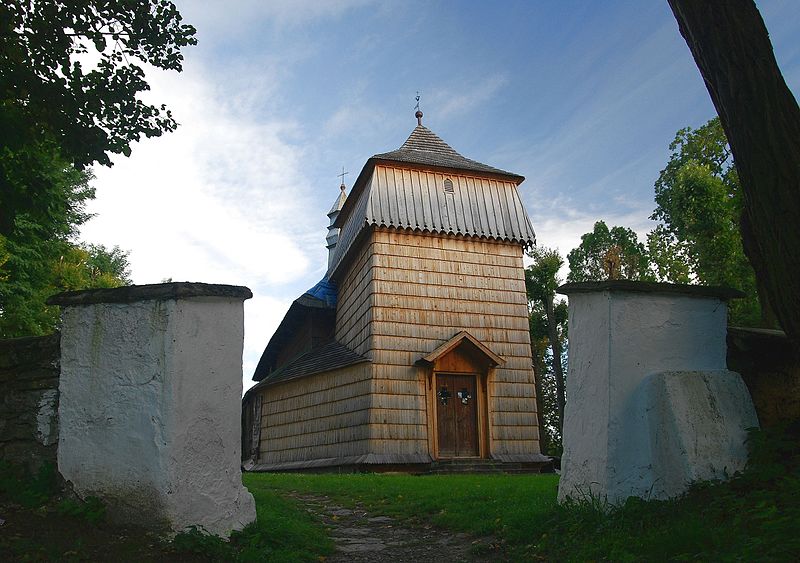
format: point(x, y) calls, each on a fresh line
point(149, 416)
point(651, 406)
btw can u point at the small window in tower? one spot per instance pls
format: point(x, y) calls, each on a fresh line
point(448, 186)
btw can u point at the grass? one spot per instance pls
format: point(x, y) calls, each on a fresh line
point(503, 506)
point(41, 523)
point(754, 516)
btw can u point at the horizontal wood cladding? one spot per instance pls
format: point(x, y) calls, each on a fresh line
point(399, 446)
point(280, 414)
point(320, 438)
point(399, 237)
point(514, 433)
point(398, 416)
point(507, 315)
point(456, 280)
point(506, 342)
point(325, 381)
point(302, 453)
point(317, 416)
point(415, 431)
point(511, 393)
point(332, 421)
point(458, 292)
point(398, 386)
point(389, 401)
point(401, 295)
point(386, 345)
point(527, 418)
point(501, 405)
point(516, 446)
point(448, 267)
point(354, 301)
point(458, 253)
point(396, 326)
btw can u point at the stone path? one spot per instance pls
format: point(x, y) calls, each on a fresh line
point(361, 537)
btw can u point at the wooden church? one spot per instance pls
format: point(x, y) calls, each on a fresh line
point(414, 348)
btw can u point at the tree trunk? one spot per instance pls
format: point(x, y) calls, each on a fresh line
point(544, 435)
point(731, 47)
point(555, 343)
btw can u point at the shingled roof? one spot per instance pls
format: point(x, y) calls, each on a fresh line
point(390, 191)
point(326, 357)
point(424, 147)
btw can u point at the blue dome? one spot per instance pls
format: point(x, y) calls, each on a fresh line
point(325, 290)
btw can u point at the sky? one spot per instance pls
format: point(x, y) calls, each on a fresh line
point(280, 96)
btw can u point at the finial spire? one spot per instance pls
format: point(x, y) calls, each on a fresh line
point(342, 175)
point(418, 115)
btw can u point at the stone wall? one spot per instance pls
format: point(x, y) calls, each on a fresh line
point(29, 370)
point(770, 367)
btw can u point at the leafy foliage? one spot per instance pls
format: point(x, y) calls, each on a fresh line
point(197, 541)
point(49, 92)
point(35, 269)
point(70, 77)
point(699, 202)
point(92, 509)
point(31, 491)
point(548, 329)
point(547, 393)
point(589, 261)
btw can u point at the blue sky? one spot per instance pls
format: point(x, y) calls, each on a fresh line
point(581, 98)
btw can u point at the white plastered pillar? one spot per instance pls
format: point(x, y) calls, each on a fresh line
point(651, 406)
point(150, 409)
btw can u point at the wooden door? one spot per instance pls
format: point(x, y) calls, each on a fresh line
point(457, 415)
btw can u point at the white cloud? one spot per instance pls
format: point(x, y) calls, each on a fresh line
point(561, 223)
point(216, 201)
point(454, 102)
point(220, 17)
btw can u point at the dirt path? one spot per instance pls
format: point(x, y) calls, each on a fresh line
point(361, 537)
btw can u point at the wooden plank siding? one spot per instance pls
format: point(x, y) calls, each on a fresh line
point(353, 309)
point(320, 416)
point(402, 293)
point(425, 289)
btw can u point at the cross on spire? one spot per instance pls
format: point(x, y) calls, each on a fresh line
point(418, 115)
point(342, 175)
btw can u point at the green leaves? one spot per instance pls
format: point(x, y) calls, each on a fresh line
point(620, 245)
point(541, 277)
point(90, 113)
point(699, 202)
point(58, 115)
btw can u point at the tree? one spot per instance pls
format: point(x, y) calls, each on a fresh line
point(52, 267)
point(669, 257)
point(761, 118)
point(48, 92)
point(59, 113)
point(698, 200)
point(547, 317)
point(55, 113)
point(609, 254)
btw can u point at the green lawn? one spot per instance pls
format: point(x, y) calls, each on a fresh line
point(509, 507)
point(755, 516)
